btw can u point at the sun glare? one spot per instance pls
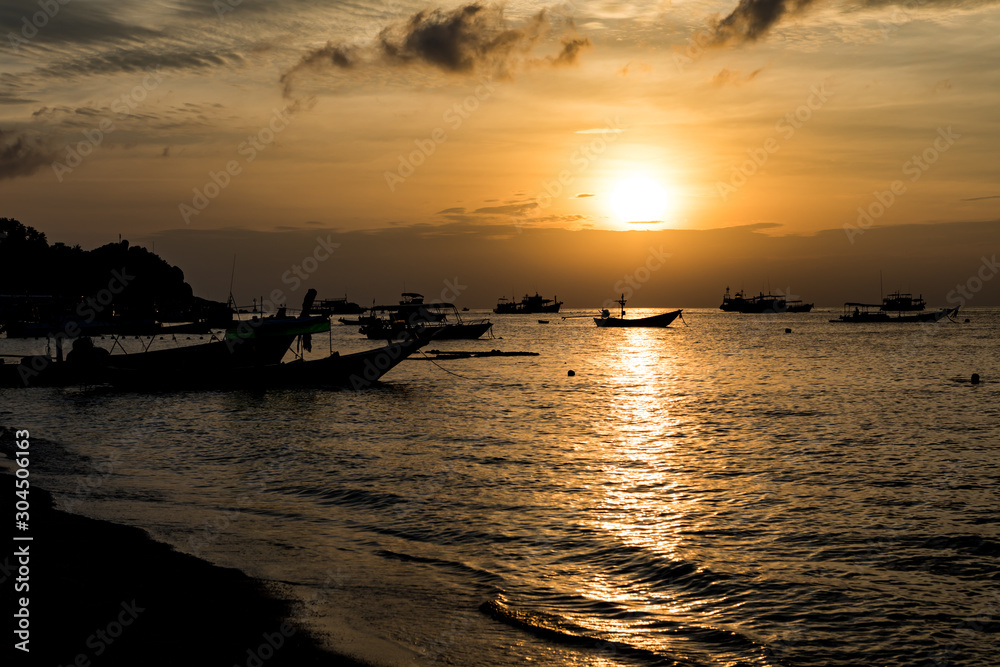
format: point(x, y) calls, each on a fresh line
point(638, 199)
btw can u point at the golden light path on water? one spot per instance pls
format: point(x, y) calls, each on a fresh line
point(642, 506)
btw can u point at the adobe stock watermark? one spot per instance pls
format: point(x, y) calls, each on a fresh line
point(453, 117)
point(900, 17)
point(960, 297)
point(250, 148)
point(223, 7)
point(124, 106)
point(634, 281)
point(87, 309)
point(293, 277)
point(698, 43)
point(580, 160)
point(29, 28)
point(915, 167)
point(963, 293)
point(786, 126)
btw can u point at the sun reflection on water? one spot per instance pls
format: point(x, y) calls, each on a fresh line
point(643, 505)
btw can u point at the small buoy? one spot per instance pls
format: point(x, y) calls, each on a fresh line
point(788, 331)
point(975, 378)
point(966, 320)
point(571, 373)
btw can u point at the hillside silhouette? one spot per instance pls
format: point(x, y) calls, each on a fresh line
point(43, 283)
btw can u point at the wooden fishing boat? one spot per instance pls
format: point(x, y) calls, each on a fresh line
point(873, 313)
point(661, 320)
point(250, 344)
point(384, 329)
point(353, 371)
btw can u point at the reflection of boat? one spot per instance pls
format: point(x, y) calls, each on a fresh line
point(898, 302)
point(762, 303)
point(873, 312)
point(662, 320)
point(527, 305)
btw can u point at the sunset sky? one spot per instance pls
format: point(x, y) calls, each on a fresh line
point(727, 133)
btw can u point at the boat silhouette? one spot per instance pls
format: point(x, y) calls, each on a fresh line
point(662, 320)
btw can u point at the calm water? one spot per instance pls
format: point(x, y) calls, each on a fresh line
point(716, 493)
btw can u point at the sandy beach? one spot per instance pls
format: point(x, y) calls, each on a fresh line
point(105, 594)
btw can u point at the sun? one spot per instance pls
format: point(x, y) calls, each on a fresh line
point(639, 198)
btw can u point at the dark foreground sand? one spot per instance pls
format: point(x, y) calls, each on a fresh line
point(101, 594)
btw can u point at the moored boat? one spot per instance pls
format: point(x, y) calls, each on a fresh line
point(250, 344)
point(899, 302)
point(385, 329)
point(353, 371)
point(527, 305)
point(337, 306)
point(873, 312)
point(661, 320)
point(762, 303)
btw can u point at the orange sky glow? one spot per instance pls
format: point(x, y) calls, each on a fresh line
point(829, 123)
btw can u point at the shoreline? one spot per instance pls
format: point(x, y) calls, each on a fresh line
point(105, 594)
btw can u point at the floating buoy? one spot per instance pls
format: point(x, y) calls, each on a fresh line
point(788, 331)
point(571, 373)
point(966, 320)
point(975, 378)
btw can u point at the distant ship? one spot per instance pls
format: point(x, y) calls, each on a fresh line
point(527, 305)
point(762, 303)
point(337, 306)
point(897, 302)
point(871, 312)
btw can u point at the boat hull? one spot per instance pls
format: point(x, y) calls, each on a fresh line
point(351, 371)
point(464, 331)
point(662, 320)
point(880, 317)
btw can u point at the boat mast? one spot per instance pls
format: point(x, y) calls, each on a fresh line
point(622, 302)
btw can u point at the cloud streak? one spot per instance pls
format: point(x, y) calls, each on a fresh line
point(468, 39)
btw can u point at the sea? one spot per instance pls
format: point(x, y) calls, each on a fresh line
point(734, 490)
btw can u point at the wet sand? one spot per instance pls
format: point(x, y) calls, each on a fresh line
point(103, 594)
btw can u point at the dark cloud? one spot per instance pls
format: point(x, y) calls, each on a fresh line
point(470, 38)
point(22, 154)
point(583, 195)
point(982, 198)
point(571, 51)
point(66, 22)
point(752, 19)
